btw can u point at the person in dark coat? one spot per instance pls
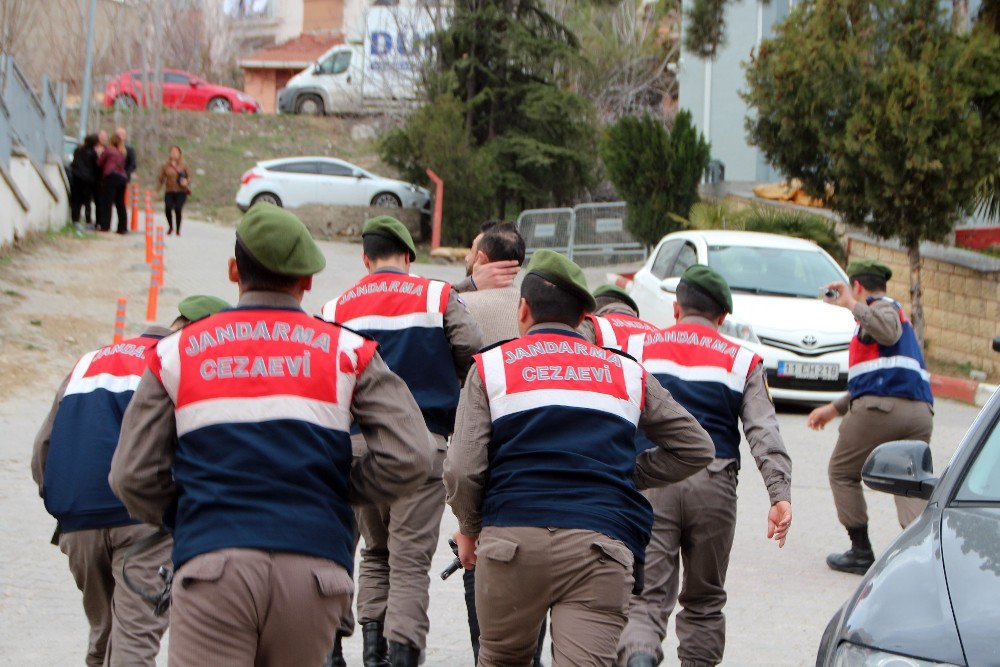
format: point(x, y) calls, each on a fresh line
point(83, 179)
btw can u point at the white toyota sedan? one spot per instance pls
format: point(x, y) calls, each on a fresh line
point(778, 312)
point(297, 181)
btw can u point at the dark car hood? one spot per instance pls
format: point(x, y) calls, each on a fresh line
point(902, 604)
point(971, 546)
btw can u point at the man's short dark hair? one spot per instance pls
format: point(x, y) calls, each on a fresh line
point(501, 242)
point(382, 247)
point(254, 276)
point(549, 303)
point(870, 282)
point(694, 301)
point(490, 224)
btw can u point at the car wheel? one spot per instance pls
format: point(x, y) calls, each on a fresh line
point(125, 103)
point(219, 105)
point(266, 198)
point(309, 105)
point(386, 200)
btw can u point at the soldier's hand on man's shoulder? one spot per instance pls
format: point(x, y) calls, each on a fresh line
point(779, 520)
point(493, 275)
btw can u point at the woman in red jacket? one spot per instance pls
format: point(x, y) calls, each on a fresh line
point(113, 183)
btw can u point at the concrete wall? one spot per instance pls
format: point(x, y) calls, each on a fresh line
point(961, 298)
point(29, 202)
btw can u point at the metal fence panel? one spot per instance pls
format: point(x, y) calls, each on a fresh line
point(591, 234)
point(5, 144)
point(26, 113)
point(54, 127)
point(550, 228)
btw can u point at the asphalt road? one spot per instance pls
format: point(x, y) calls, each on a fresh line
point(779, 599)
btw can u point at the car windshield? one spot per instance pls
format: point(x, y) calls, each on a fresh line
point(774, 271)
point(982, 483)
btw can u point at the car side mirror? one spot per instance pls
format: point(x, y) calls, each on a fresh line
point(670, 284)
point(195, 83)
point(902, 468)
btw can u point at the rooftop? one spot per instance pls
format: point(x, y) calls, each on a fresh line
point(296, 53)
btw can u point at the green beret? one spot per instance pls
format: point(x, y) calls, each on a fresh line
point(869, 267)
point(389, 227)
point(711, 283)
point(564, 273)
point(200, 306)
point(279, 241)
point(617, 293)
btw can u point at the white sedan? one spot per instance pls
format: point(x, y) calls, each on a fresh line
point(297, 181)
point(777, 308)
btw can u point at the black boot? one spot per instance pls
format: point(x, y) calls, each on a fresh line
point(858, 558)
point(336, 656)
point(376, 651)
point(642, 660)
point(403, 655)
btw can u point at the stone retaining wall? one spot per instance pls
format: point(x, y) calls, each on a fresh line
point(961, 298)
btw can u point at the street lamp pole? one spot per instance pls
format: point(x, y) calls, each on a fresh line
point(87, 72)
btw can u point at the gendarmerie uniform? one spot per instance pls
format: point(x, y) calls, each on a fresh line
point(70, 464)
point(543, 468)
point(427, 337)
point(889, 398)
point(238, 437)
point(615, 321)
point(721, 384)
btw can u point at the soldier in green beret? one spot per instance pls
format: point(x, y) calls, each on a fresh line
point(238, 440)
point(550, 420)
point(888, 398)
point(722, 384)
point(615, 320)
point(197, 307)
point(427, 337)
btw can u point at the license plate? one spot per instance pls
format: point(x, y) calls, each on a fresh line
point(804, 370)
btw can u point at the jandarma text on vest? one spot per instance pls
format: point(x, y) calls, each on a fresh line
point(128, 349)
point(382, 286)
point(528, 350)
point(692, 338)
point(259, 330)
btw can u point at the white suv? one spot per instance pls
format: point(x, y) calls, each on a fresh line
point(778, 313)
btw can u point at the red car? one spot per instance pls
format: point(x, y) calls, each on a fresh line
point(181, 90)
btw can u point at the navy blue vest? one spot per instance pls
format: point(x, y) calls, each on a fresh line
point(85, 435)
point(405, 315)
point(889, 370)
point(564, 416)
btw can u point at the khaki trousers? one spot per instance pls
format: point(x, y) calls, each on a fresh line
point(694, 521)
point(244, 607)
point(522, 573)
point(871, 421)
point(123, 629)
point(400, 540)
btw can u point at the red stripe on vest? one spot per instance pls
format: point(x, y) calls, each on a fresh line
point(130, 357)
point(388, 294)
point(693, 345)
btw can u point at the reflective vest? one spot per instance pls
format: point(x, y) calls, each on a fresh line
point(889, 370)
point(262, 401)
point(564, 414)
point(615, 330)
point(705, 373)
point(85, 435)
point(405, 314)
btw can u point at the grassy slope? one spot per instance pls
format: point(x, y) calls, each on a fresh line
point(225, 146)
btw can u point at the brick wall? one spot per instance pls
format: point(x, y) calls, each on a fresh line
point(961, 299)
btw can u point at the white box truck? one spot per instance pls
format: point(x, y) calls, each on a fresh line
point(381, 72)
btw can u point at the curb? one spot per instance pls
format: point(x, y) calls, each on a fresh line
point(967, 391)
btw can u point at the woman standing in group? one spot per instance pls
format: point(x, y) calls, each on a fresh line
point(83, 178)
point(174, 174)
point(113, 182)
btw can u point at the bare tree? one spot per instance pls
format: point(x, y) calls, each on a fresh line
point(15, 18)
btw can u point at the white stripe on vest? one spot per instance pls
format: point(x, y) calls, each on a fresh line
point(503, 404)
point(246, 410)
point(887, 363)
point(608, 338)
point(434, 290)
point(731, 379)
point(396, 322)
point(78, 384)
point(168, 349)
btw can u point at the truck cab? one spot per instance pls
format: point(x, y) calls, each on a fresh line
point(333, 84)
